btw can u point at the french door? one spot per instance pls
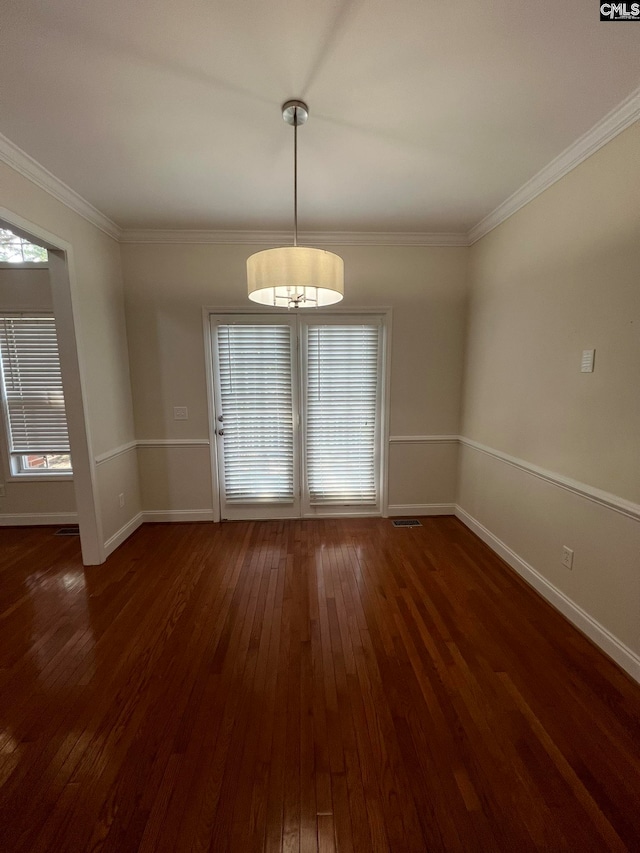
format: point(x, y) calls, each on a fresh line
point(297, 408)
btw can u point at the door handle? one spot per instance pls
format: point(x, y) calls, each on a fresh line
point(220, 432)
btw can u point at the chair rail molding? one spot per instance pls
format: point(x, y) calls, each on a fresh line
point(606, 499)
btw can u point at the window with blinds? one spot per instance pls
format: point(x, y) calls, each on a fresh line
point(255, 379)
point(32, 394)
point(342, 404)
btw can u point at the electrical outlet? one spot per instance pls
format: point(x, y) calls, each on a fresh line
point(121, 499)
point(2, 491)
point(567, 557)
point(180, 413)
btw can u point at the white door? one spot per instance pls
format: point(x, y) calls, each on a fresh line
point(341, 368)
point(298, 414)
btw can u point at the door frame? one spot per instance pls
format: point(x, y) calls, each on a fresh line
point(386, 314)
point(64, 288)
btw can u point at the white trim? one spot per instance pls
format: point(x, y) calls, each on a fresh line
point(620, 118)
point(24, 265)
point(606, 499)
point(309, 312)
point(385, 414)
point(169, 515)
point(173, 442)
point(207, 338)
point(328, 512)
point(65, 289)
point(28, 477)
point(421, 509)
point(34, 519)
point(125, 531)
point(117, 451)
point(23, 163)
point(604, 639)
point(424, 439)
point(283, 238)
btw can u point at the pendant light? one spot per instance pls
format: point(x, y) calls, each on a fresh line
point(295, 276)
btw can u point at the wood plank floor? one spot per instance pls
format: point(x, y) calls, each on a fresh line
point(302, 686)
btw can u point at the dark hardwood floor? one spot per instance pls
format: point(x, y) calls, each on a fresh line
point(306, 685)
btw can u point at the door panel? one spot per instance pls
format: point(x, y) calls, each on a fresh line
point(256, 435)
point(341, 370)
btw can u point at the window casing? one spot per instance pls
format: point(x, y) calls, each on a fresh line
point(32, 396)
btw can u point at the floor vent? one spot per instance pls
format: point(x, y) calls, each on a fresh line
point(406, 522)
point(68, 531)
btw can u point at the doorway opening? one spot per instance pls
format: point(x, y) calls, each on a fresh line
point(58, 263)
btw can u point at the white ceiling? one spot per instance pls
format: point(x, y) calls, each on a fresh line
point(424, 116)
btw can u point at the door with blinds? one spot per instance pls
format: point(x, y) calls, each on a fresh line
point(298, 414)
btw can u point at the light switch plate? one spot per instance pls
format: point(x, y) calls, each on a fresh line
point(588, 356)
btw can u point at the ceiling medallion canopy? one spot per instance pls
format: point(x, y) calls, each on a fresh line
point(295, 276)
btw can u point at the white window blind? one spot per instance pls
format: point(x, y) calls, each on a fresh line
point(341, 419)
point(257, 408)
point(32, 385)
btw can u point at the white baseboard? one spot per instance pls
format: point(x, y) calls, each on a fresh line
point(169, 515)
point(33, 519)
point(604, 639)
point(421, 509)
point(118, 538)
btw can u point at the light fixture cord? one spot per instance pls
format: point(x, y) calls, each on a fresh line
point(295, 176)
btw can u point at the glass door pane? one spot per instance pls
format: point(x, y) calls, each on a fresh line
point(255, 397)
point(341, 419)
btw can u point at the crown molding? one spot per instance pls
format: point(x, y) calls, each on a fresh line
point(19, 160)
point(622, 117)
point(276, 238)
point(178, 235)
point(619, 119)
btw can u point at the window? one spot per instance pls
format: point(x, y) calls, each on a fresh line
point(17, 250)
point(32, 395)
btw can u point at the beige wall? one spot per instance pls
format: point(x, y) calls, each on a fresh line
point(560, 276)
point(98, 313)
point(167, 286)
